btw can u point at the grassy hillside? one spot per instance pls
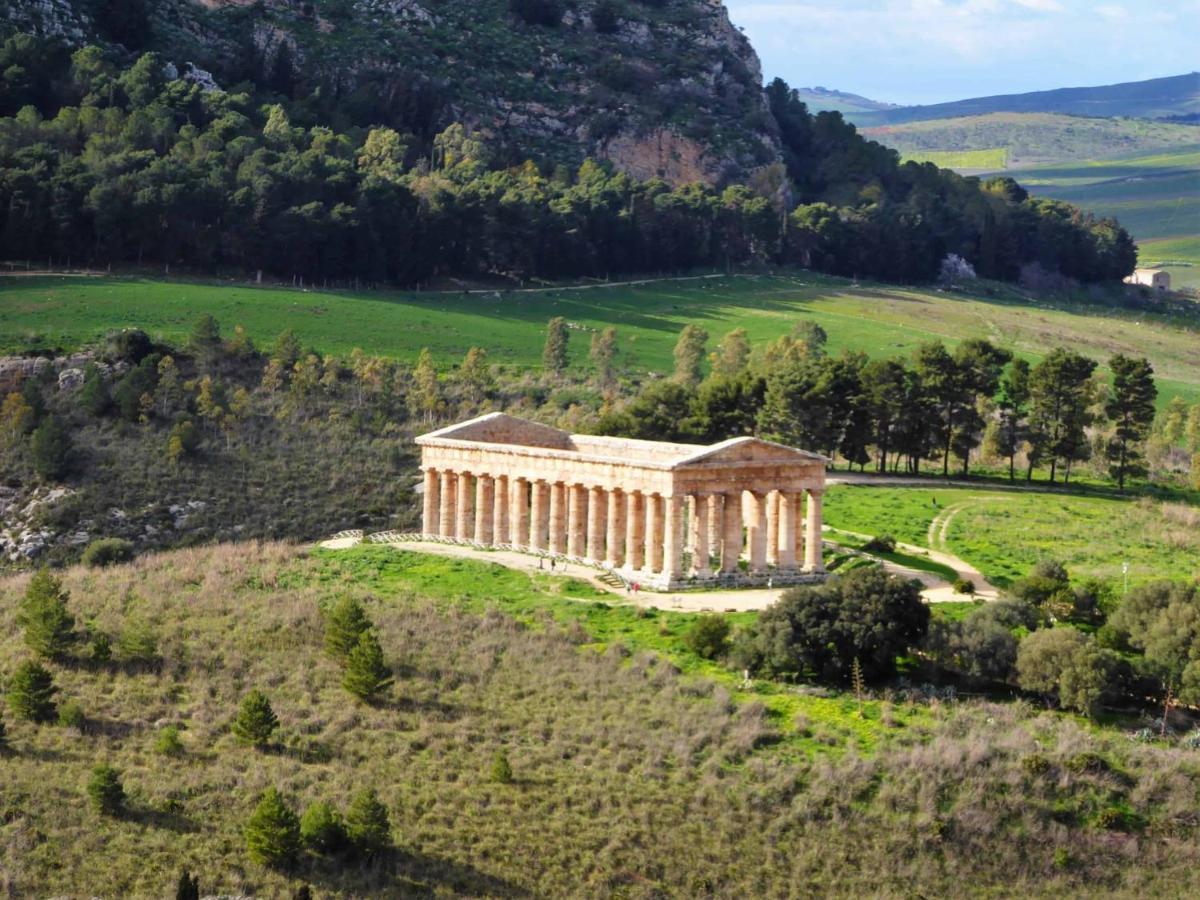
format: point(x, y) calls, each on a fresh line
point(1032, 138)
point(983, 160)
point(883, 321)
point(632, 778)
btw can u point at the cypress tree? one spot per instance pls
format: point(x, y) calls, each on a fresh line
point(106, 792)
point(367, 823)
point(345, 623)
point(554, 354)
point(256, 721)
point(49, 627)
point(366, 672)
point(273, 832)
point(31, 693)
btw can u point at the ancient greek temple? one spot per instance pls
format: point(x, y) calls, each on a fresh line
point(741, 512)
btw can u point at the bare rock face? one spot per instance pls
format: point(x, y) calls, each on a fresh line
point(48, 18)
point(663, 154)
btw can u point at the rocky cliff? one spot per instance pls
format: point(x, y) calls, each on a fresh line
point(666, 88)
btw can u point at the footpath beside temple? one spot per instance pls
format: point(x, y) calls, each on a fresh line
point(744, 512)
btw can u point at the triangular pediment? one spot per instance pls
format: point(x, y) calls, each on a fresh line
point(750, 450)
point(501, 428)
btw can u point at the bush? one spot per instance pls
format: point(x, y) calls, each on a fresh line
point(138, 644)
point(70, 715)
point(256, 721)
point(1066, 664)
point(51, 449)
point(367, 675)
point(31, 693)
point(367, 824)
point(188, 886)
point(273, 832)
point(978, 646)
point(321, 828)
point(106, 792)
point(883, 543)
point(107, 552)
point(49, 627)
point(502, 772)
point(964, 586)
point(168, 743)
point(708, 637)
point(345, 623)
point(101, 648)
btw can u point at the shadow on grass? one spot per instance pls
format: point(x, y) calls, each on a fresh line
point(165, 820)
point(403, 873)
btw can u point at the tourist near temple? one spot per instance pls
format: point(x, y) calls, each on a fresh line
point(742, 512)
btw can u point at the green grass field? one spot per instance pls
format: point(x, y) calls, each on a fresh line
point(987, 160)
point(1004, 533)
point(880, 320)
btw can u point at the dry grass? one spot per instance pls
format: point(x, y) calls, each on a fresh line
point(631, 779)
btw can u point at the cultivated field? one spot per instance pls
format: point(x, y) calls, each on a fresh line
point(879, 320)
point(985, 160)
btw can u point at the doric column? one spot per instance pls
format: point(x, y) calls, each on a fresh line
point(773, 516)
point(787, 531)
point(464, 527)
point(518, 510)
point(558, 518)
point(798, 517)
point(500, 515)
point(576, 520)
point(485, 499)
point(430, 511)
point(539, 515)
point(812, 539)
point(655, 532)
point(731, 539)
point(447, 514)
point(674, 536)
point(614, 542)
point(700, 551)
point(597, 505)
point(716, 523)
point(635, 530)
point(756, 532)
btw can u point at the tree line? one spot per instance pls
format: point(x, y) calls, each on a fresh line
point(121, 162)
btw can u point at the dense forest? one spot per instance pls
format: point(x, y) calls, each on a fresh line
point(123, 162)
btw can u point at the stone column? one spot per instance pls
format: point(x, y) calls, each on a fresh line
point(674, 536)
point(576, 520)
point(635, 530)
point(539, 515)
point(812, 540)
point(655, 528)
point(518, 508)
point(500, 510)
point(731, 537)
point(700, 551)
point(773, 516)
point(485, 499)
point(614, 553)
point(447, 514)
point(787, 531)
point(558, 518)
point(716, 523)
point(798, 518)
point(756, 532)
point(430, 511)
point(464, 527)
point(597, 505)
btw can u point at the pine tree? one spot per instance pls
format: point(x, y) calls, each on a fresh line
point(256, 721)
point(31, 693)
point(273, 831)
point(51, 449)
point(367, 823)
point(689, 354)
point(188, 887)
point(49, 627)
point(366, 672)
point(554, 354)
point(93, 395)
point(321, 828)
point(345, 623)
point(106, 792)
point(1130, 406)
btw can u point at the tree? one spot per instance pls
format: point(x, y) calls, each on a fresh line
point(49, 626)
point(182, 441)
point(1130, 407)
point(659, 413)
point(322, 829)
point(256, 721)
point(188, 886)
point(51, 449)
point(554, 354)
point(273, 831)
point(1059, 397)
point(732, 354)
point(982, 645)
point(31, 693)
point(708, 637)
point(979, 366)
point(105, 791)
point(345, 623)
point(603, 352)
point(1162, 619)
point(16, 418)
point(1013, 405)
point(425, 399)
point(205, 340)
point(476, 376)
point(689, 354)
point(94, 397)
point(727, 406)
point(367, 824)
point(1066, 664)
point(366, 672)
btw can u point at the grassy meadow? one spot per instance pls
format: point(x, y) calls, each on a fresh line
point(1004, 533)
point(639, 770)
point(984, 160)
point(880, 320)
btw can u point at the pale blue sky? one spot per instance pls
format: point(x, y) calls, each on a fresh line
point(928, 51)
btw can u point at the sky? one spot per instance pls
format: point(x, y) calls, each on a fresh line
point(930, 51)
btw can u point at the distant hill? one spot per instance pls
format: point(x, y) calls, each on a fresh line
point(1158, 98)
point(820, 99)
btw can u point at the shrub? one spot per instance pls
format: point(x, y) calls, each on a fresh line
point(979, 646)
point(50, 447)
point(502, 772)
point(1065, 663)
point(345, 623)
point(101, 648)
point(366, 673)
point(1035, 764)
point(93, 395)
point(138, 644)
point(708, 637)
point(107, 552)
point(321, 828)
point(272, 832)
point(70, 715)
point(367, 824)
point(168, 743)
point(188, 886)
point(31, 693)
point(182, 441)
point(964, 586)
point(883, 543)
point(49, 627)
point(256, 722)
point(105, 791)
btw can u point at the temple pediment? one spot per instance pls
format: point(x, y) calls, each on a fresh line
point(749, 450)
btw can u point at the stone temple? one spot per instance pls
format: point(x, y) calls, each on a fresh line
point(742, 512)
